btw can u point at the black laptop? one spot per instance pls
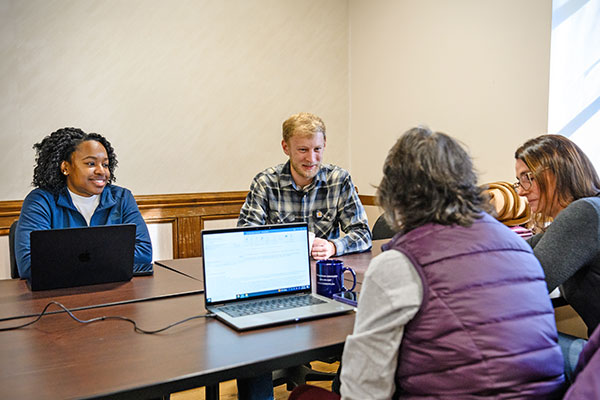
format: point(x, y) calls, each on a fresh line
point(63, 258)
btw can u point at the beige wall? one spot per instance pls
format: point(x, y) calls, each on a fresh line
point(475, 69)
point(191, 94)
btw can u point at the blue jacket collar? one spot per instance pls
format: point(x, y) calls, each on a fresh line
point(106, 199)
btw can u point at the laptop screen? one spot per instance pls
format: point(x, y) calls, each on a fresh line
point(249, 262)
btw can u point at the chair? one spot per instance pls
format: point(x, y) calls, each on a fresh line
point(511, 209)
point(381, 229)
point(299, 375)
point(14, 271)
point(307, 392)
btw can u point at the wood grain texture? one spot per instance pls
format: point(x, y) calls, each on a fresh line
point(60, 358)
point(186, 211)
point(17, 301)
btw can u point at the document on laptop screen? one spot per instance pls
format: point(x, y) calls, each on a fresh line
point(257, 262)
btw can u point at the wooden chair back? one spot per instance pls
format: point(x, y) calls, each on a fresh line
point(511, 209)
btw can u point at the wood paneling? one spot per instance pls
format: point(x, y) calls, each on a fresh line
point(9, 212)
point(188, 237)
point(367, 200)
point(186, 211)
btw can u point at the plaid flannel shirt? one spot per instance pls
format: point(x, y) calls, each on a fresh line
point(329, 203)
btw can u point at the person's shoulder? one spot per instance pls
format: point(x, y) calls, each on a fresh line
point(391, 255)
point(39, 200)
point(584, 206)
point(594, 201)
point(383, 263)
point(39, 194)
point(390, 267)
point(581, 214)
point(334, 169)
point(334, 173)
point(117, 191)
point(270, 174)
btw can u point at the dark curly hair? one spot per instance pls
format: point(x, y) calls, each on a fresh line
point(429, 177)
point(58, 147)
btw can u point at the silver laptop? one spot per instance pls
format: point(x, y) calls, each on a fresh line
point(258, 276)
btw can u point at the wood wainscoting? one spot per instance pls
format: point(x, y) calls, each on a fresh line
point(187, 214)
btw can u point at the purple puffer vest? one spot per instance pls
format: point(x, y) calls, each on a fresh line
point(486, 324)
point(587, 384)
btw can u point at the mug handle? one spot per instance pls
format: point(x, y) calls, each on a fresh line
point(344, 289)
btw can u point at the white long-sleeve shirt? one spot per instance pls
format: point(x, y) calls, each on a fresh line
point(390, 296)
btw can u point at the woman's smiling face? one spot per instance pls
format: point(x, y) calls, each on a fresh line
point(87, 172)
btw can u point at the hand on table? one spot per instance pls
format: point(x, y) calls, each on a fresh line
point(322, 249)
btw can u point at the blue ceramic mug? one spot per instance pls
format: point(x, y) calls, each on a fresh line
point(330, 277)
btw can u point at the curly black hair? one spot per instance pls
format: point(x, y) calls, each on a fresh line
point(429, 177)
point(58, 147)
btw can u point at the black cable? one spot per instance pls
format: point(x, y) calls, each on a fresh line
point(177, 271)
point(104, 318)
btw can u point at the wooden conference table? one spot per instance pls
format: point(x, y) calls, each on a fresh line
point(59, 358)
point(17, 301)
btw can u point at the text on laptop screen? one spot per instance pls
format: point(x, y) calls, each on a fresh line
point(244, 264)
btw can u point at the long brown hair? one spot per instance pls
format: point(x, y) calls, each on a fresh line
point(562, 171)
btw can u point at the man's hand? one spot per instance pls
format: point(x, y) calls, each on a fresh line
point(322, 249)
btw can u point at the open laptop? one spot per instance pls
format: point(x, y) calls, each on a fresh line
point(268, 265)
point(62, 258)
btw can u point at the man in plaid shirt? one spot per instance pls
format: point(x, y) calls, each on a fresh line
point(304, 190)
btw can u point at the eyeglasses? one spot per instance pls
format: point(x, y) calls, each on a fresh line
point(525, 181)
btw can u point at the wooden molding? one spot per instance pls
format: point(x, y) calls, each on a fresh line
point(10, 207)
point(186, 212)
point(190, 199)
point(368, 200)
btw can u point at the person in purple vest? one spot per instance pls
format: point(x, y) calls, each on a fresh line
point(587, 384)
point(456, 307)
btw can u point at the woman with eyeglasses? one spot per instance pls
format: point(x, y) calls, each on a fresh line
point(563, 191)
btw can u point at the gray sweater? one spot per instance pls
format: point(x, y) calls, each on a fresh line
point(569, 252)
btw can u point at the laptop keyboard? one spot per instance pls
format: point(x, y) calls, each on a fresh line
point(265, 305)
